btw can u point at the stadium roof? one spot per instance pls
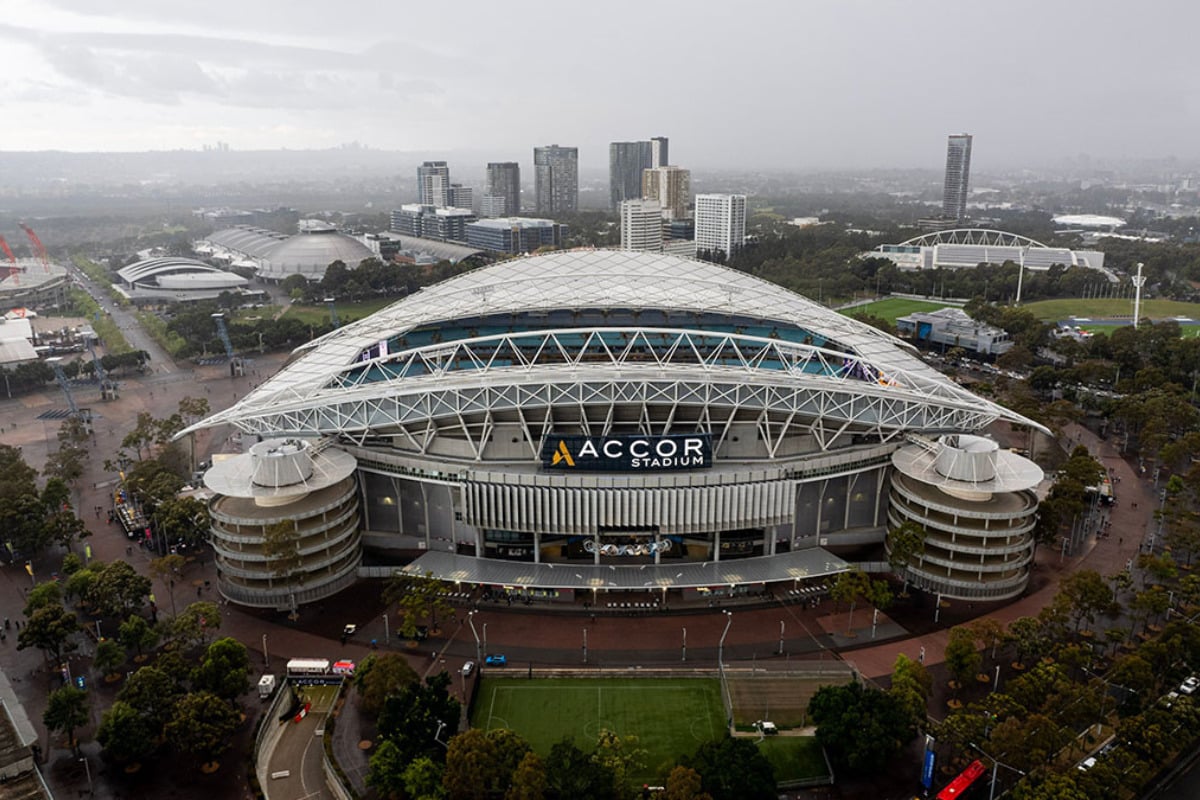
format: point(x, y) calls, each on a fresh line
point(857, 366)
point(186, 272)
point(444, 251)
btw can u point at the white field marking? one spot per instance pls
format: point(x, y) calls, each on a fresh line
point(492, 708)
point(303, 771)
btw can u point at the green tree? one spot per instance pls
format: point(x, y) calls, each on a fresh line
point(224, 670)
point(126, 734)
point(849, 587)
point(203, 724)
point(911, 684)
point(862, 729)
point(185, 517)
point(281, 546)
point(118, 589)
point(962, 659)
point(419, 598)
point(528, 779)
point(480, 764)
point(153, 694)
point(735, 769)
point(137, 634)
point(50, 629)
point(388, 767)
point(420, 717)
point(683, 783)
point(67, 709)
point(45, 594)
point(169, 570)
point(1087, 594)
point(195, 623)
point(623, 757)
point(379, 676)
point(109, 657)
point(905, 543)
point(571, 773)
point(423, 779)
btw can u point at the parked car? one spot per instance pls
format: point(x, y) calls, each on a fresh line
point(468, 668)
point(495, 660)
point(766, 727)
point(1190, 685)
point(1087, 764)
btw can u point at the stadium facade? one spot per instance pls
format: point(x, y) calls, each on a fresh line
point(964, 248)
point(593, 421)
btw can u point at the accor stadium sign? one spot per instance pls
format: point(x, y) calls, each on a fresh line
point(627, 453)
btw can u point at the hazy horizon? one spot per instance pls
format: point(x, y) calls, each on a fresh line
point(813, 86)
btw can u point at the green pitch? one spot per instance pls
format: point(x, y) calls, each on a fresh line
point(894, 307)
point(670, 716)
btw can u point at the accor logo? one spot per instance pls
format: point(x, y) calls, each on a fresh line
point(562, 454)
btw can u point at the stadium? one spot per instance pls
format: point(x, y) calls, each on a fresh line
point(584, 423)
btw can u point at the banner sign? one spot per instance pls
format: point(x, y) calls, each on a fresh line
point(627, 453)
point(927, 769)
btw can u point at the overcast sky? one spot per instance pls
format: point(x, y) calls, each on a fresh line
point(789, 83)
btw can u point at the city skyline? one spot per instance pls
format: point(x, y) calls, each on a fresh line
point(140, 75)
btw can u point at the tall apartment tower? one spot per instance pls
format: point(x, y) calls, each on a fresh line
point(556, 179)
point(671, 187)
point(626, 160)
point(659, 157)
point(433, 184)
point(720, 223)
point(641, 225)
point(504, 180)
point(958, 176)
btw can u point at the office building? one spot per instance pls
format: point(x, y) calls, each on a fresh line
point(459, 196)
point(433, 184)
point(515, 234)
point(504, 180)
point(556, 179)
point(626, 160)
point(671, 187)
point(428, 222)
point(659, 156)
point(720, 223)
point(958, 177)
point(493, 205)
point(592, 424)
point(641, 225)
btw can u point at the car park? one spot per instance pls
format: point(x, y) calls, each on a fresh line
point(495, 660)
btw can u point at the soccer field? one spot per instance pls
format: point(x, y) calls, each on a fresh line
point(670, 716)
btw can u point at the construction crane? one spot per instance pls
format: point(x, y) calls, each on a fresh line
point(39, 250)
point(333, 317)
point(237, 366)
point(15, 269)
point(108, 387)
point(83, 414)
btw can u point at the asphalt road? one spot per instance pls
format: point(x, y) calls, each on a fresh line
point(299, 752)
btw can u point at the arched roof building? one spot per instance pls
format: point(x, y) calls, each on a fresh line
point(648, 419)
point(176, 279)
point(276, 256)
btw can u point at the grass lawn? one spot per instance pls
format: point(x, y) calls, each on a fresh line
point(894, 307)
point(670, 716)
point(794, 757)
point(1157, 310)
point(347, 312)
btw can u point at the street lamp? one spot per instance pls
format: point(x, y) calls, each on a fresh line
point(266, 658)
point(88, 769)
point(585, 645)
point(478, 648)
point(995, 764)
point(781, 629)
point(485, 636)
point(721, 645)
point(684, 644)
point(387, 634)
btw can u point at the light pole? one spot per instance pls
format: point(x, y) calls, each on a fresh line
point(781, 630)
point(995, 765)
point(996, 683)
point(585, 645)
point(937, 609)
point(721, 645)
point(87, 768)
point(387, 634)
point(478, 649)
point(266, 658)
point(485, 636)
point(684, 644)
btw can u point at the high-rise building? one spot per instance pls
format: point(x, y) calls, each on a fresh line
point(720, 223)
point(671, 187)
point(641, 225)
point(515, 234)
point(493, 205)
point(958, 176)
point(659, 157)
point(556, 179)
point(428, 222)
point(459, 196)
point(433, 184)
point(626, 160)
point(504, 180)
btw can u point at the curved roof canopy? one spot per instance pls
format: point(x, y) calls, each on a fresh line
point(605, 324)
point(173, 272)
point(311, 252)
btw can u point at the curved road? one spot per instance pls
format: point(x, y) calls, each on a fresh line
point(300, 752)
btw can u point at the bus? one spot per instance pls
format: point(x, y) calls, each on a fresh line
point(966, 780)
point(307, 667)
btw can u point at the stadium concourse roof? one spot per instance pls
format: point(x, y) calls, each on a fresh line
point(797, 565)
point(581, 279)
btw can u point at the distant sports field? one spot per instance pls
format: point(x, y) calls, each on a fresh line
point(670, 716)
point(893, 307)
